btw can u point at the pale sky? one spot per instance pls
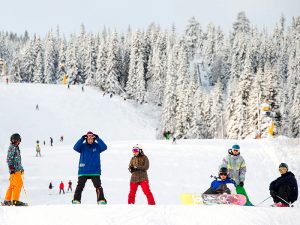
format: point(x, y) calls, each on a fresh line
point(39, 16)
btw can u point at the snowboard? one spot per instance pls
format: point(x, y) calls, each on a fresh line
point(212, 199)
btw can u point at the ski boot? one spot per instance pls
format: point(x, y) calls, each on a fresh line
point(102, 202)
point(6, 203)
point(19, 203)
point(75, 202)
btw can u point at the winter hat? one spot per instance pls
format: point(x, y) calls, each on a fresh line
point(89, 133)
point(223, 170)
point(284, 165)
point(237, 147)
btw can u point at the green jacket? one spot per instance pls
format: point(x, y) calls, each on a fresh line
point(14, 158)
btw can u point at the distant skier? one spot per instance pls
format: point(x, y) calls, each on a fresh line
point(38, 149)
point(174, 140)
point(70, 185)
point(82, 88)
point(284, 190)
point(61, 187)
point(236, 166)
point(37, 107)
point(50, 188)
point(51, 141)
point(138, 166)
point(61, 138)
point(16, 171)
point(90, 146)
point(6, 80)
point(219, 185)
point(44, 142)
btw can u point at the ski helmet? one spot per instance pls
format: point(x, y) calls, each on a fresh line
point(284, 165)
point(139, 147)
point(14, 138)
point(223, 170)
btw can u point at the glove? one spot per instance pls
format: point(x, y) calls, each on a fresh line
point(22, 171)
point(273, 193)
point(131, 169)
point(241, 184)
point(12, 169)
point(84, 136)
point(96, 136)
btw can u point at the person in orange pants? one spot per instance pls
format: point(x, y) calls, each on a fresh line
point(138, 166)
point(16, 170)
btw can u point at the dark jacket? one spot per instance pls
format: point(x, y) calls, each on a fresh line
point(89, 162)
point(286, 179)
point(138, 167)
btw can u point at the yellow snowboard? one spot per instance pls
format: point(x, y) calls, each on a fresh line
point(190, 199)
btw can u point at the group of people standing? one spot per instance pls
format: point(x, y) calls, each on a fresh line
point(283, 190)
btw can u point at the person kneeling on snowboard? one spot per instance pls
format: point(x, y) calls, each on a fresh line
point(138, 166)
point(284, 190)
point(219, 185)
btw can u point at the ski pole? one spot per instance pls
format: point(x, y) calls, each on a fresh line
point(290, 204)
point(264, 200)
point(26, 196)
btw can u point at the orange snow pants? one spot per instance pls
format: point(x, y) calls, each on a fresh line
point(15, 186)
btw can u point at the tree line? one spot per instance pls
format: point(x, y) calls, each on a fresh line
point(207, 84)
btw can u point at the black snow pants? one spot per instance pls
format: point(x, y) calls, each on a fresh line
point(97, 184)
point(285, 193)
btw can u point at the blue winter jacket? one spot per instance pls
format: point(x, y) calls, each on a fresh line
point(216, 183)
point(89, 162)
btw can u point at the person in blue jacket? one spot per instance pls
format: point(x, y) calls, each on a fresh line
point(89, 146)
point(219, 185)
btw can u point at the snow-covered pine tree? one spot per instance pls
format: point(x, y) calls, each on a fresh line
point(135, 86)
point(50, 58)
point(113, 66)
point(38, 76)
point(193, 36)
point(183, 92)
point(101, 73)
point(28, 63)
point(157, 70)
point(168, 118)
point(91, 61)
point(72, 63)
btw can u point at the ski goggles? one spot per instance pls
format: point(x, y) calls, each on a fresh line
point(222, 174)
point(135, 150)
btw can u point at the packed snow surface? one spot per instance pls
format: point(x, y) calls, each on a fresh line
point(182, 168)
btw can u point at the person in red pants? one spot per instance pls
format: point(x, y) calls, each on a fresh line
point(138, 166)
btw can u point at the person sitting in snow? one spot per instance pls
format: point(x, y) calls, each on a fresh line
point(222, 184)
point(284, 190)
point(138, 166)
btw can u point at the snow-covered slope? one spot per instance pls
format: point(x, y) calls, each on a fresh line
point(70, 112)
point(174, 169)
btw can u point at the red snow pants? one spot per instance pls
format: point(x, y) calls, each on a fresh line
point(146, 189)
